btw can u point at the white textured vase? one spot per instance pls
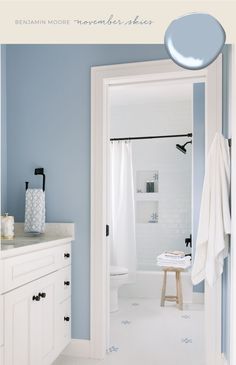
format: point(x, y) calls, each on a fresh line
point(7, 226)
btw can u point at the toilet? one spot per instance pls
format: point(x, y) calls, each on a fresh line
point(118, 277)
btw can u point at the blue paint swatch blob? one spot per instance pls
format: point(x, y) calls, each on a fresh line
point(194, 41)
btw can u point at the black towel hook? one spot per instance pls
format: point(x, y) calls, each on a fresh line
point(38, 171)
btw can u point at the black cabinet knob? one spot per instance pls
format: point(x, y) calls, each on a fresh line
point(66, 255)
point(67, 283)
point(36, 297)
point(42, 295)
point(66, 319)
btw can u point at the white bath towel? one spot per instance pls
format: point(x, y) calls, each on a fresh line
point(214, 222)
point(34, 211)
point(183, 265)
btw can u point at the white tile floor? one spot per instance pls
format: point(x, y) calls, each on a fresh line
point(143, 333)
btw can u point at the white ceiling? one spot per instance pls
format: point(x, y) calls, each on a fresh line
point(151, 92)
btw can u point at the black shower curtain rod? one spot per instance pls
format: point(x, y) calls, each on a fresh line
point(152, 137)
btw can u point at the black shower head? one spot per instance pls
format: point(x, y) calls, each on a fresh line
point(182, 147)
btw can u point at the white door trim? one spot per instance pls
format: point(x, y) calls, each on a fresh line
point(232, 118)
point(101, 78)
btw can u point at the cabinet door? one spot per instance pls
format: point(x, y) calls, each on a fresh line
point(21, 326)
point(48, 315)
point(30, 323)
point(1, 320)
point(64, 324)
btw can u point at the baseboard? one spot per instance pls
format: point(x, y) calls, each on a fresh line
point(198, 298)
point(78, 348)
point(224, 360)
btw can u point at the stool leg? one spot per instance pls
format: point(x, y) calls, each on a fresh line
point(180, 294)
point(163, 292)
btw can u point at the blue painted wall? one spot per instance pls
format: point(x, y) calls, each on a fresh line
point(48, 120)
point(48, 124)
point(3, 130)
point(198, 159)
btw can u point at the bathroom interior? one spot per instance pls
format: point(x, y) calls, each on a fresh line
point(151, 193)
point(45, 122)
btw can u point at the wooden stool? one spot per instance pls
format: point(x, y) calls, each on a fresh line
point(178, 298)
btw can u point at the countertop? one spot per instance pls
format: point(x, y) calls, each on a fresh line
point(25, 243)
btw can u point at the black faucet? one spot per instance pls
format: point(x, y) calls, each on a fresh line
point(188, 241)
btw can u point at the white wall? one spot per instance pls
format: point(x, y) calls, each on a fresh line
point(174, 168)
point(150, 119)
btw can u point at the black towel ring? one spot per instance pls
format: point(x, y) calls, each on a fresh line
point(38, 171)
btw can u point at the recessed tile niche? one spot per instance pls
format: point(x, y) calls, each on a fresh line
point(147, 212)
point(147, 181)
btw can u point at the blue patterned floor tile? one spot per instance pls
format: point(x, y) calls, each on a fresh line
point(186, 340)
point(126, 322)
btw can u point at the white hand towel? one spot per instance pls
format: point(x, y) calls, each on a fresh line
point(165, 261)
point(214, 222)
point(34, 211)
point(163, 256)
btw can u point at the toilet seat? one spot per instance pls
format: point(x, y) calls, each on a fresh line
point(118, 270)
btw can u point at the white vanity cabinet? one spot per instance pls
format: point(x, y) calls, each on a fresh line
point(36, 306)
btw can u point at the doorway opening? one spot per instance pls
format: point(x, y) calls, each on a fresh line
point(104, 78)
point(151, 154)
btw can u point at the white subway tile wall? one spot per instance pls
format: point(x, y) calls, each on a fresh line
point(173, 199)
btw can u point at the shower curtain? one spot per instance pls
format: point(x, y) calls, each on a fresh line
point(123, 242)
